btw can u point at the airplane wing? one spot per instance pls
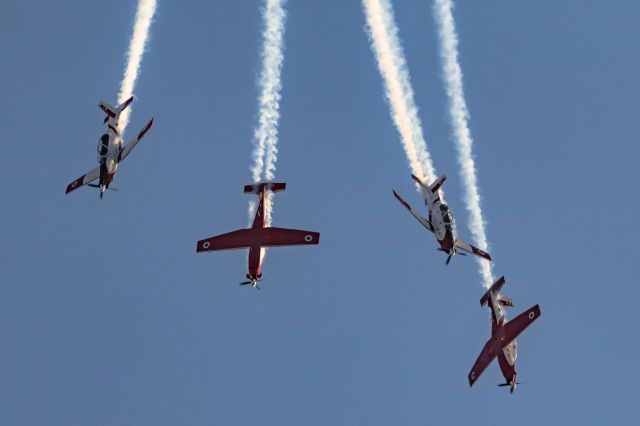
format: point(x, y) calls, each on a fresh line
point(509, 332)
point(128, 147)
point(423, 220)
point(488, 354)
point(273, 237)
point(265, 237)
point(472, 249)
point(517, 325)
point(83, 180)
point(242, 238)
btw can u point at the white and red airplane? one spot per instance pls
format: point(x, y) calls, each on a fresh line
point(441, 221)
point(110, 150)
point(502, 343)
point(258, 236)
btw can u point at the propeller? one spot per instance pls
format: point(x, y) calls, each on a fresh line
point(455, 252)
point(512, 385)
point(254, 283)
point(93, 185)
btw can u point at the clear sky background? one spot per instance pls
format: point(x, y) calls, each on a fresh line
point(108, 316)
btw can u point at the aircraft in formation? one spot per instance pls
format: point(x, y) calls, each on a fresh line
point(110, 150)
point(440, 222)
point(258, 236)
point(502, 343)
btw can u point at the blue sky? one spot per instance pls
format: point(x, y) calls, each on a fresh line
point(107, 315)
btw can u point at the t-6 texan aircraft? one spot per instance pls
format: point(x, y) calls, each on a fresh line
point(258, 236)
point(110, 150)
point(503, 336)
point(440, 221)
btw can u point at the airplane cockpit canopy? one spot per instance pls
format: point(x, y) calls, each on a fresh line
point(447, 217)
point(103, 147)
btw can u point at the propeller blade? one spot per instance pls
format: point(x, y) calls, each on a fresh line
point(448, 260)
point(461, 253)
point(93, 185)
point(245, 282)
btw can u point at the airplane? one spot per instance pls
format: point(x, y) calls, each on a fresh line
point(502, 343)
point(441, 222)
point(259, 235)
point(110, 150)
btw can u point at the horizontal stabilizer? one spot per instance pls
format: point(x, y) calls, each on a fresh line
point(434, 186)
point(419, 181)
point(114, 112)
point(437, 184)
point(495, 288)
point(108, 109)
point(125, 104)
point(259, 187)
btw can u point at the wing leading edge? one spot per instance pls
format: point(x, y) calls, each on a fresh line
point(472, 249)
point(83, 180)
point(423, 220)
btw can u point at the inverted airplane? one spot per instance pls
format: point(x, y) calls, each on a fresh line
point(502, 343)
point(258, 236)
point(441, 222)
point(110, 150)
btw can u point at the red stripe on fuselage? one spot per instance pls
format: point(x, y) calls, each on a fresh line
point(254, 262)
point(106, 178)
point(446, 243)
point(254, 252)
point(259, 219)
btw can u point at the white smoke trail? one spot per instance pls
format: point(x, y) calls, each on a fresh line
point(144, 16)
point(386, 45)
point(459, 116)
point(266, 134)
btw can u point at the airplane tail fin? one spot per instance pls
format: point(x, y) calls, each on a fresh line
point(495, 288)
point(434, 187)
point(114, 112)
point(437, 184)
point(257, 188)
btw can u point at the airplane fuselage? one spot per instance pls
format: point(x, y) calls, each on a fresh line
point(255, 252)
point(441, 218)
point(508, 355)
point(109, 148)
